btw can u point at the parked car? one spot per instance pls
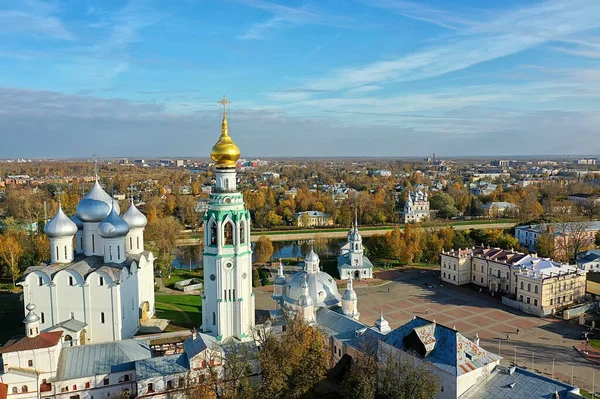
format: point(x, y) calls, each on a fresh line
point(586, 335)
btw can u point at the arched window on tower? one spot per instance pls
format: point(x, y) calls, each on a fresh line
point(226, 184)
point(242, 232)
point(228, 232)
point(213, 233)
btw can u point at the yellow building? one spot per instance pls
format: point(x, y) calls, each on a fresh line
point(314, 219)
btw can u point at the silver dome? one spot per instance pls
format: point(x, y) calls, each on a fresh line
point(355, 236)
point(305, 300)
point(280, 280)
point(321, 287)
point(312, 257)
point(349, 295)
point(113, 226)
point(60, 225)
point(77, 222)
point(31, 316)
point(96, 205)
point(135, 218)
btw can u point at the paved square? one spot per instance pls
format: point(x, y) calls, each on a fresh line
point(538, 343)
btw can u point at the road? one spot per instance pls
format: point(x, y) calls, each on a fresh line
point(290, 236)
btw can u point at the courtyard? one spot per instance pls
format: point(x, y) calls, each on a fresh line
point(538, 343)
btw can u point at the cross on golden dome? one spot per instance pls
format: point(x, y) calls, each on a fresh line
point(225, 152)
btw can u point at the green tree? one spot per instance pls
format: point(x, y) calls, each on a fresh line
point(263, 249)
point(444, 204)
point(545, 245)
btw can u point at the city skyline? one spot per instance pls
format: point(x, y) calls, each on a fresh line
point(389, 79)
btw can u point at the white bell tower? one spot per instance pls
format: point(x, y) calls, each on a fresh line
point(228, 300)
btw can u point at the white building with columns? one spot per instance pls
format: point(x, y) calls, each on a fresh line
point(99, 282)
point(227, 299)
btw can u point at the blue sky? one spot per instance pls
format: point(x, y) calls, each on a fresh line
point(307, 78)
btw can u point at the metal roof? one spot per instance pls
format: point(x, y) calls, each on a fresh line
point(192, 346)
point(89, 360)
point(527, 385)
point(44, 340)
point(70, 324)
point(161, 366)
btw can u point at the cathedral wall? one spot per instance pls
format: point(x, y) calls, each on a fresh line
point(40, 295)
point(145, 275)
point(68, 296)
point(104, 309)
point(130, 304)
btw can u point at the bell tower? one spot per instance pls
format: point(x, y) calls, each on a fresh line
point(227, 299)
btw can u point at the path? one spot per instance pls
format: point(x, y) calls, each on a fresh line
point(291, 236)
point(185, 316)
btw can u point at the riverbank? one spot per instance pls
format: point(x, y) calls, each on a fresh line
point(295, 235)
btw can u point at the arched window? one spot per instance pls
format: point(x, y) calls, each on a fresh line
point(522, 285)
point(507, 275)
point(65, 252)
point(24, 389)
point(30, 363)
point(242, 232)
point(228, 232)
point(130, 242)
point(81, 243)
point(529, 287)
point(15, 390)
point(118, 252)
point(93, 243)
point(535, 289)
point(214, 319)
point(213, 233)
point(137, 239)
point(499, 273)
point(57, 253)
point(226, 184)
point(110, 252)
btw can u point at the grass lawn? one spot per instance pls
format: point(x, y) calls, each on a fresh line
point(190, 304)
point(595, 343)
point(586, 394)
point(180, 275)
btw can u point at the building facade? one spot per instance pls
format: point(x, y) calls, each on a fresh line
point(314, 219)
point(352, 262)
point(542, 286)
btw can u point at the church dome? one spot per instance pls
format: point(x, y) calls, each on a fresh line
point(77, 222)
point(96, 205)
point(113, 226)
point(225, 152)
point(135, 218)
point(60, 225)
point(322, 289)
point(355, 236)
point(31, 316)
point(350, 295)
point(312, 257)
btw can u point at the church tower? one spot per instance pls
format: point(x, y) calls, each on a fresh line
point(227, 301)
point(356, 246)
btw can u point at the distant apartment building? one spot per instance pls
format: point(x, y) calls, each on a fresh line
point(582, 232)
point(589, 260)
point(536, 285)
point(500, 162)
point(586, 161)
point(314, 219)
point(382, 173)
point(179, 163)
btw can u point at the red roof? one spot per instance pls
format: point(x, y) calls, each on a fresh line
point(3, 391)
point(44, 340)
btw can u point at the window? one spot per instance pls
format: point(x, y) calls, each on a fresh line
point(150, 388)
point(74, 387)
point(214, 318)
point(169, 384)
point(522, 285)
point(529, 287)
point(482, 280)
point(564, 298)
point(475, 267)
point(24, 389)
point(30, 363)
point(507, 276)
point(499, 273)
point(242, 233)
point(473, 278)
point(65, 252)
point(535, 302)
point(57, 253)
point(42, 317)
point(110, 252)
point(126, 378)
point(535, 288)
point(454, 277)
point(444, 274)
point(528, 300)
point(234, 294)
point(228, 231)
point(213, 233)
point(40, 281)
point(137, 241)
point(102, 317)
point(106, 381)
point(87, 384)
point(520, 298)
point(15, 390)
point(118, 252)
point(71, 282)
point(100, 281)
point(507, 287)
point(226, 181)
point(93, 243)
point(72, 315)
point(81, 243)
point(455, 266)
point(481, 268)
point(551, 301)
point(130, 242)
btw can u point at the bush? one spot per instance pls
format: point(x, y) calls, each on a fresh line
point(255, 278)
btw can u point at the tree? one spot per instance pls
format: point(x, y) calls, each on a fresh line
point(186, 210)
point(529, 206)
point(162, 235)
point(573, 237)
point(545, 245)
point(10, 254)
point(320, 244)
point(444, 204)
point(292, 365)
point(263, 249)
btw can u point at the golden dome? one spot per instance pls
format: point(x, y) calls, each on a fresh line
point(225, 152)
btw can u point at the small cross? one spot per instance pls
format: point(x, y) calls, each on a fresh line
point(95, 158)
point(131, 190)
point(225, 103)
point(58, 194)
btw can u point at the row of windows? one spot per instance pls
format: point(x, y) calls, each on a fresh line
point(528, 300)
point(454, 276)
point(449, 266)
point(72, 280)
point(24, 389)
point(227, 233)
point(535, 287)
point(169, 384)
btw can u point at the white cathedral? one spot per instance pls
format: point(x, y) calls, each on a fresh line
point(416, 207)
point(99, 282)
point(352, 262)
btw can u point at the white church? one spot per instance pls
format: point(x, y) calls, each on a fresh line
point(416, 207)
point(352, 262)
point(99, 282)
